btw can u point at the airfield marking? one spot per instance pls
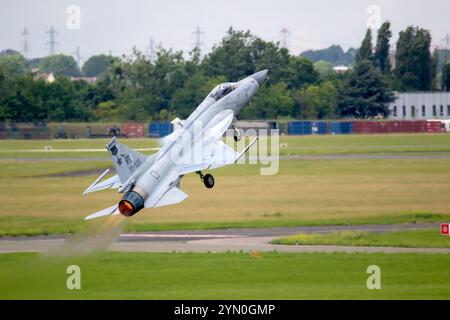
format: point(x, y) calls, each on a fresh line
point(145, 235)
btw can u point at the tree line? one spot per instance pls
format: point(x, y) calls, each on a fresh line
point(137, 88)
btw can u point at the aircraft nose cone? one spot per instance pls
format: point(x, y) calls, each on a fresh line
point(260, 76)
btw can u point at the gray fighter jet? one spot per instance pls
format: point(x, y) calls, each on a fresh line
point(154, 181)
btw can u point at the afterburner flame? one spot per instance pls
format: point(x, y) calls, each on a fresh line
point(126, 208)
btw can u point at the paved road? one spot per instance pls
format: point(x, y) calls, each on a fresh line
point(220, 240)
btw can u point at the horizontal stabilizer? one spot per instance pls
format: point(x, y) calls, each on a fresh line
point(110, 183)
point(102, 213)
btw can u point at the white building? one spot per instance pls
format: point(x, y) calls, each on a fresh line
point(420, 106)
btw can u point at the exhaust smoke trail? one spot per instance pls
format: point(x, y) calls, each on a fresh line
point(95, 238)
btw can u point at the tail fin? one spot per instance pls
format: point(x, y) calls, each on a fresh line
point(126, 160)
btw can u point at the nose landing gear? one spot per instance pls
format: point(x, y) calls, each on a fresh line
point(208, 179)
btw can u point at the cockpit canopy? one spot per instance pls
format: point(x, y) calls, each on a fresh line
point(222, 90)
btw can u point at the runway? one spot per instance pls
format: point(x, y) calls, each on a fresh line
point(222, 240)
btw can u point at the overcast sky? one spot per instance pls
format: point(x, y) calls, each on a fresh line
point(117, 26)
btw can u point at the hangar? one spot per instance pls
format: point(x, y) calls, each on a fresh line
point(420, 106)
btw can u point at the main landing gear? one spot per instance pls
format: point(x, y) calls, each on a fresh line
point(236, 132)
point(208, 179)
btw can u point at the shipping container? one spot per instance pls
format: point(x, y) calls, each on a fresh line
point(340, 127)
point(133, 129)
point(435, 126)
point(413, 126)
point(159, 129)
point(300, 128)
point(383, 127)
point(24, 131)
point(319, 127)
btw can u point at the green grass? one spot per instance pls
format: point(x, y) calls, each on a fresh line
point(225, 276)
point(26, 225)
point(66, 148)
point(357, 144)
point(304, 192)
point(272, 221)
point(23, 169)
point(29, 225)
point(428, 238)
point(296, 145)
point(38, 198)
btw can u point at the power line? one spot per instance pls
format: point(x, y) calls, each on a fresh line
point(198, 44)
point(52, 42)
point(25, 47)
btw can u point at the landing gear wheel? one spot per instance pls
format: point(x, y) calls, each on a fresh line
point(208, 181)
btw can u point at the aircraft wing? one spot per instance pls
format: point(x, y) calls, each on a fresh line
point(216, 156)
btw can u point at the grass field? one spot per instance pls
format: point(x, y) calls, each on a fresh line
point(226, 276)
point(296, 145)
point(41, 195)
point(303, 193)
point(427, 238)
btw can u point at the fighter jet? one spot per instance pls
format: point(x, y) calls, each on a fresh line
point(197, 145)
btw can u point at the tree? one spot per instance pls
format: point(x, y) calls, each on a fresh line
point(381, 56)
point(365, 51)
point(241, 54)
point(60, 65)
point(271, 102)
point(317, 101)
point(302, 73)
point(365, 93)
point(232, 57)
point(446, 77)
point(97, 65)
point(23, 102)
point(185, 100)
point(13, 65)
point(324, 69)
point(414, 66)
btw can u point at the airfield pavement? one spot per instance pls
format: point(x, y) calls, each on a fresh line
point(223, 240)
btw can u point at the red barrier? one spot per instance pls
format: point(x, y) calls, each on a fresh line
point(133, 130)
point(380, 127)
point(435, 126)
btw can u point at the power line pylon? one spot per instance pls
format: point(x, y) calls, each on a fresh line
point(151, 52)
point(78, 56)
point(446, 41)
point(285, 36)
point(198, 34)
point(25, 47)
point(52, 42)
